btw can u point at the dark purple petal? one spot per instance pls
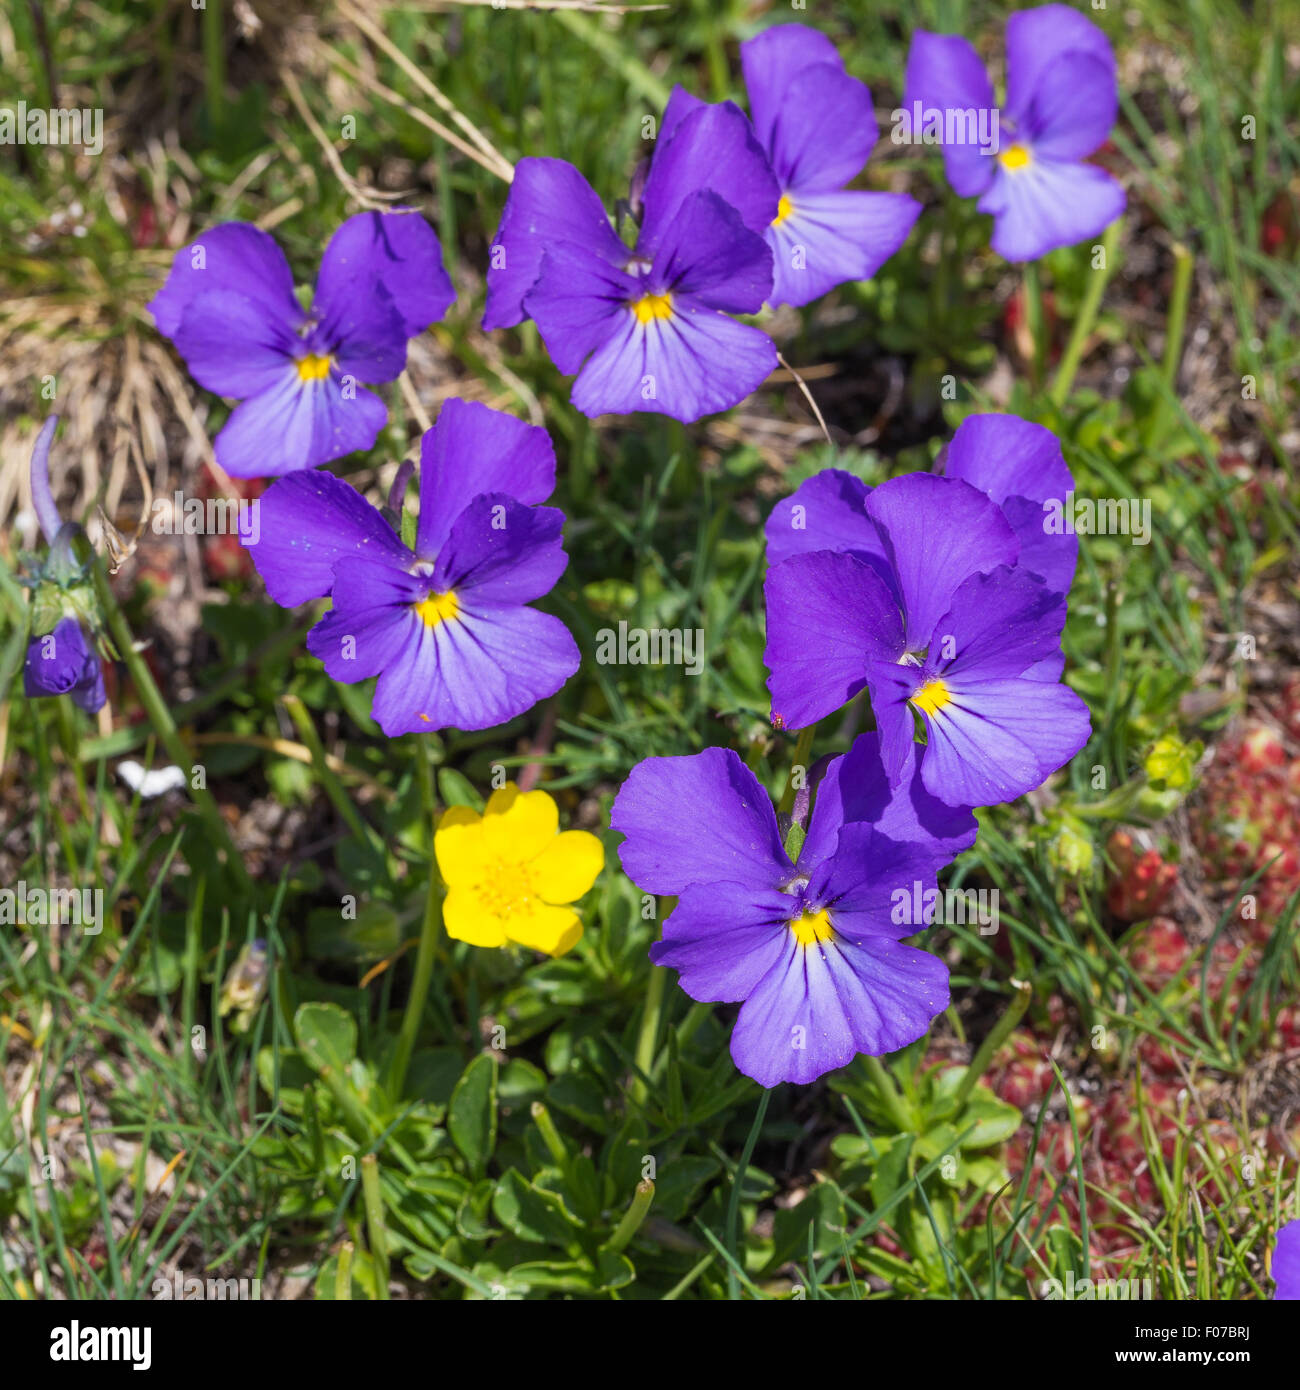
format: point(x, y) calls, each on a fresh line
point(709, 254)
point(827, 616)
point(63, 662)
point(712, 148)
point(372, 619)
point(395, 250)
point(944, 73)
point(1005, 456)
point(722, 938)
point(856, 789)
point(695, 363)
point(819, 1006)
point(232, 346)
point(473, 449)
point(825, 512)
point(680, 105)
point(999, 625)
point(1047, 204)
point(831, 238)
point(823, 131)
point(579, 303)
point(937, 532)
point(701, 819)
point(502, 551)
point(367, 337)
point(867, 879)
point(1036, 38)
point(998, 739)
point(771, 61)
point(549, 204)
point(1073, 109)
point(235, 257)
point(295, 424)
point(474, 671)
point(305, 524)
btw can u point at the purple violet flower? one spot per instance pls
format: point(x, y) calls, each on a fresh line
point(926, 607)
point(1285, 1264)
point(647, 329)
point(229, 307)
point(1061, 102)
point(817, 126)
point(812, 948)
point(444, 626)
point(62, 662)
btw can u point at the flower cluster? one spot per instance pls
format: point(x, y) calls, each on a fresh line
point(943, 597)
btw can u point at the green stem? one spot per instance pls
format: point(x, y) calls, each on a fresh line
point(1184, 263)
point(161, 719)
point(633, 1216)
point(1001, 1030)
point(891, 1098)
point(419, 994)
point(1034, 320)
point(1073, 353)
point(343, 1274)
point(801, 751)
point(649, 1034)
point(550, 1135)
point(339, 798)
point(375, 1227)
point(733, 1202)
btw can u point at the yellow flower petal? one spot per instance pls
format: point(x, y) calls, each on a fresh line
point(461, 846)
point(568, 866)
point(554, 930)
point(519, 825)
point(466, 919)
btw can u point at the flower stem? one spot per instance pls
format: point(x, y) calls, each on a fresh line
point(161, 719)
point(375, 1227)
point(733, 1202)
point(649, 1034)
point(633, 1216)
point(419, 994)
point(1073, 353)
point(801, 751)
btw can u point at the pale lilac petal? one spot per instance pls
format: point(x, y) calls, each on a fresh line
point(232, 346)
point(1048, 204)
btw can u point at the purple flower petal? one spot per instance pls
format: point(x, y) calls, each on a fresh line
point(997, 739)
point(856, 789)
point(236, 257)
point(820, 1005)
point(1073, 108)
point(366, 336)
point(681, 104)
point(396, 250)
point(306, 523)
point(722, 938)
point(502, 552)
point(709, 254)
point(372, 619)
point(1047, 204)
point(825, 512)
point(63, 662)
point(471, 450)
point(1285, 1264)
point(863, 881)
point(937, 532)
point(999, 624)
point(830, 238)
point(771, 61)
point(820, 99)
point(711, 148)
point(579, 303)
point(474, 671)
point(944, 73)
point(701, 819)
point(695, 363)
point(549, 204)
point(1036, 38)
point(827, 616)
point(294, 424)
point(231, 346)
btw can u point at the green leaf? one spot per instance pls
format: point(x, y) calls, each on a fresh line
point(532, 1214)
point(327, 1036)
point(457, 790)
point(472, 1113)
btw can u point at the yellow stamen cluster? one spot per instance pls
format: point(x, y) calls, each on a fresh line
point(313, 367)
point(1015, 157)
point(438, 608)
point(653, 306)
point(811, 928)
point(784, 209)
point(932, 697)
